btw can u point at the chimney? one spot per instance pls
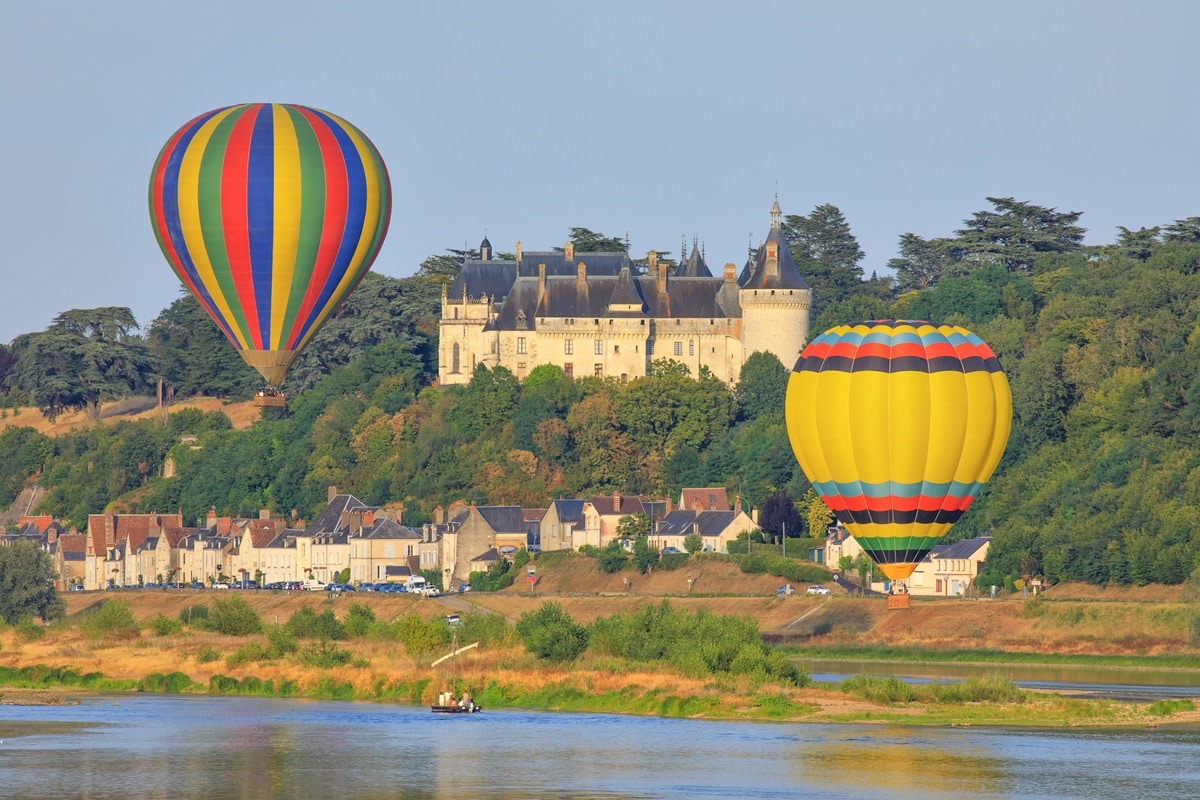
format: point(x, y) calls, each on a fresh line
point(660, 274)
point(439, 515)
point(616, 502)
point(518, 251)
point(368, 519)
point(331, 494)
point(754, 514)
point(264, 513)
point(211, 520)
point(569, 251)
point(730, 272)
point(581, 274)
point(541, 281)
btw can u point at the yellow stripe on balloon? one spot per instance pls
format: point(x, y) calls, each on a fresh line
point(1003, 400)
point(286, 235)
point(189, 219)
point(374, 195)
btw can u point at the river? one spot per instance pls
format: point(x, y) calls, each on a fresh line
point(197, 747)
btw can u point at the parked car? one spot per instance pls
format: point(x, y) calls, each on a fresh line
point(339, 587)
point(76, 588)
point(817, 590)
point(453, 620)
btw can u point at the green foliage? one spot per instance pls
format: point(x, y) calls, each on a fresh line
point(325, 654)
point(645, 557)
point(421, 635)
point(358, 621)
point(488, 629)
point(551, 633)
point(308, 624)
point(207, 654)
point(27, 584)
point(1164, 708)
point(499, 576)
point(194, 616)
point(171, 683)
point(29, 629)
point(884, 690)
point(693, 543)
point(23, 452)
point(761, 387)
point(612, 557)
point(249, 653)
point(782, 566)
point(165, 626)
point(233, 616)
point(113, 619)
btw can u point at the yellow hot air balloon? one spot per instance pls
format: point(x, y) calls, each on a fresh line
point(898, 424)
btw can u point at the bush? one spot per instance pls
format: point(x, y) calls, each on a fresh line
point(1194, 630)
point(325, 654)
point(233, 616)
point(308, 624)
point(550, 633)
point(612, 558)
point(29, 629)
point(173, 683)
point(886, 691)
point(207, 654)
point(487, 629)
point(420, 635)
point(782, 567)
point(165, 626)
point(194, 617)
point(281, 640)
point(358, 621)
point(249, 652)
point(113, 618)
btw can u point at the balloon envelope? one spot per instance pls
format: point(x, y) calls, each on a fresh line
point(898, 425)
point(270, 214)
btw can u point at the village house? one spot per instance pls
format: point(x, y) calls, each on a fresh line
point(950, 570)
point(709, 499)
point(380, 548)
point(478, 530)
point(716, 529)
point(561, 524)
point(105, 532)
point(602, 515)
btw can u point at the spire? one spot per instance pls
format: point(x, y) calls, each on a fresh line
point(776, 214)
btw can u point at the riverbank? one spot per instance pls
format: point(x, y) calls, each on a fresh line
point(66, 658)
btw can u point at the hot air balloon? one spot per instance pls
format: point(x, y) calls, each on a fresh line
point(270, 214)
point(898, 424)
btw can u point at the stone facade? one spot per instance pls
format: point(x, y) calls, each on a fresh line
point(594, 314)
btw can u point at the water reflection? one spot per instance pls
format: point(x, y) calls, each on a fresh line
point(198, 747)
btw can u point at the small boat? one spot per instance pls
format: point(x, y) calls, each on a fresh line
point(470, 708)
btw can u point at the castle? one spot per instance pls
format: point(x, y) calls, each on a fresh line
point(593, 314)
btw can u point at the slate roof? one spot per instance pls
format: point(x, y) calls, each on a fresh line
point(788, 276)
point(694, 266)
point(963, 549)
point(388, 529)
point(569, 510)
point(504, 519)
point(330, 518)
point(711, 523)
point(629, 504)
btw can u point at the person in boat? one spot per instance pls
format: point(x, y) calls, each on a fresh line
point(466, 700)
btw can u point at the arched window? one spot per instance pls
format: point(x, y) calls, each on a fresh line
point(454, 359)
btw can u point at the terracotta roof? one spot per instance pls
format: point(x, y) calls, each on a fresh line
point(711, 499)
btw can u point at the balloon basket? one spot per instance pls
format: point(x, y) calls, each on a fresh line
point(897, 601)
point(270, 401)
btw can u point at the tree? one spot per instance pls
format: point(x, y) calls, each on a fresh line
point(233, 616)
point(1137, 244)
point(632, 526)
point(779, 515)
point(552, 634)
point(84, 357)
point(1183, 230)
point(27, 584)
point(693, 543)
point(922, 262)
point(816, 514)
point(1015, 233)
point(645, 557)
point(444, 268)
point(761, 387)
point(588, 241)
point(826, 253)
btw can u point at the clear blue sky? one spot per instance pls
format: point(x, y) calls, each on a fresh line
point(660, 119)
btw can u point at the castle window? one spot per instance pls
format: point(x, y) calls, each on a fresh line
point(598, 347)
point(624, 377)
point(520, 345)
point(493, 349)
point(456, 313)
point(599, 371)
point(568, 346)
point(650, 347)
point(635, 348)
point(569, 370)
point(521, 324)
point(691, 347)
point(616, 348)
point(455, 364)
point(643, 322)
point(679, 348)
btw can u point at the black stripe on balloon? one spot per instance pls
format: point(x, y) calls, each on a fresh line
point(919, 516)
point(897, 364)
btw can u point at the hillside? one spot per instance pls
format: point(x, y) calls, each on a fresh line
point(241, 413)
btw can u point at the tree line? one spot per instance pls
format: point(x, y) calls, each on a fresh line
point(1099, 482)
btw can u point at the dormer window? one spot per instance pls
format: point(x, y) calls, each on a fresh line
point(521, 323)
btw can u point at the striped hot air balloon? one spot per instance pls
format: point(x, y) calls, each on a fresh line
point(270, 214)
point(898, 424)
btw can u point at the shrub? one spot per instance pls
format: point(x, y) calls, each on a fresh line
point(233, 616)
point(249, 652)
point(612, 558)
point(194, 616)
point(174, 683)
point(358, 621)
point(112, 619)
point(207, 654)
point(308, 624)
point(420, 635)
point(324, 654)
point(165, 626)
point(1194, 630)
point(281, 640)
point(550, 633)
point(487, 629)
point(1162, 708)
point(29, 630)
point(884, 690)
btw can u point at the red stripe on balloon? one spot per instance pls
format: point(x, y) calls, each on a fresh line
point(879, 349)
point(235, 217)
point(907, 349)
point(337, 192)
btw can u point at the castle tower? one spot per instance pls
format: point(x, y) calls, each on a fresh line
point(775, 299)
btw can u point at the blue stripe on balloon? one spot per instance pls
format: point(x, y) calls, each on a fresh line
point(260, 215)
point(356, 211)
point(896, 489)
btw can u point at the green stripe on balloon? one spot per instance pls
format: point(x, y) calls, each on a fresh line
point(897, 544)
point(312, 218)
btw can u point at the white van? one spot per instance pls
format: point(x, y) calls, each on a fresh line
point(415, 583)
point(313, 585)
